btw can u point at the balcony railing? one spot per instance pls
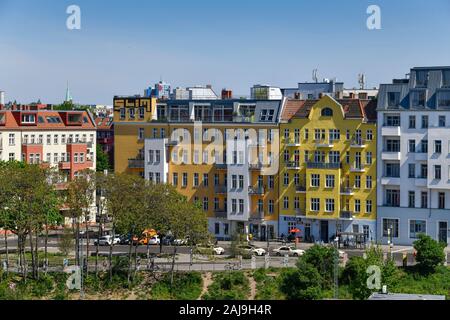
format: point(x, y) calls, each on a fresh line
point(256, 190)
point(293, 164)
point(358, 143)
point(220, 189)
point(255, 166)
point(346, 190)
point(257, 215)
point(136, 163)
point(300, 188)
point(219, 213)
point(322, 165)
point(220, 166)
point(323, 142)
point(344, 214)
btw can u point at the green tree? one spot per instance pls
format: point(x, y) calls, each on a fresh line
point(430, 253)
point(102, 160)
point(322, 258)
point(302, 283)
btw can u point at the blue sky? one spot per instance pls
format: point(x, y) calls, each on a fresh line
point(124, 46)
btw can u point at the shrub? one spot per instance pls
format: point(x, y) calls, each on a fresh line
point(186, 286)
point(267, 287)
point(430, 253)
point(304, 283)
point(228, 286)
point(322, 258)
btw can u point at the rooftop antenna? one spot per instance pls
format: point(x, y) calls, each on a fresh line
point(314, 75)
point(362, 80)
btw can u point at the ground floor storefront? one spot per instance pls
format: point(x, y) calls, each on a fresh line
point(401, 226)
point(321, 230)
point(223, 229)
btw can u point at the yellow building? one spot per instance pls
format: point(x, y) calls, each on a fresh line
point(327, 172)
point(157, 140)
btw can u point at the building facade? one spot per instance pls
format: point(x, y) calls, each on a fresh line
point(219, 153)
point(327, 174)
point(414, 150)
point(105, 137)
point(61, 139)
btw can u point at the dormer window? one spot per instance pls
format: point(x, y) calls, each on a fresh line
point(418, 98)
point(421, 78)
point(446, 78)
point(267, 115)
point(327, 112)
point(393, 99)
point(28, 118)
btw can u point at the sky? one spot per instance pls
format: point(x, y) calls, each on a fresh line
point(125, 46)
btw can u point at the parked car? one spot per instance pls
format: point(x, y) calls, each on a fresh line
point(180, 242)
point(150, 240)
point(106, 241)
point(252, 250)
point(209, 250)
point(218, 250)
point(291, 251)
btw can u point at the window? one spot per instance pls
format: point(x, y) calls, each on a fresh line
point(141, 112)
point(217, 228)
point(334, 134)
point(417, 227)
point(157, 177)
point(437, 146)
point(369, 182)
point(441, 121)
point(306, 156)
point(122, 113)
point(334, 157)
point(196, 180)
point(315, 204)
point(241, 182)
point(315, 180)
point(205, 204)
point(393, 99)
point(260, 205)
point(357, 181)
point(234, 205)
point(157, 156)
point(234, 181)
point(271, 206)
point(297, 136)
point(369, 135)
point(411, 199)
point(424, 122)
point(411, 170)
point(75, 157)
point(329, 205)
point(140, 133)
point(424, 146)
point(441, 202)
point(392, 145)
point(286, 156)
point(175, 179)
point(369, 158)
point(306, 134)
point(412, 122)
point(327, 112)
point(424, 199)
point(286, 179)
point(369, 206)
point(437, 172)
point(81, 157)
point(205, 180)
point(11, 157)
point(155, 133)
point(421, 78)
point(185, 180)
point(286, 203)
point(267, 115)
point(412, 146)
point(241, 205)
point(286, 134)
point(392, 198)
point(48, 158)
point(271, 183)
point(392, 170)
point(225, 228)
point(131, 112)
point(28, 118)
point(390, 228)
point(63, 139)
point(423, 171)
point(329, 181)
point(392, 120)
point(347, 157)
point(357, 206)
point(12, 139)
point(150, 176)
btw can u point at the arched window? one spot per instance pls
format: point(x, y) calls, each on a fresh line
point(327, 112)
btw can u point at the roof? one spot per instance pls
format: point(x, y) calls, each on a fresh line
point(104, 123)
point(353, 108)
point(404, 296)
point(291, 108)
point(46, 120)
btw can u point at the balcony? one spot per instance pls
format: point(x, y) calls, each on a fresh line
point(347, 191)
point(300, 213)
point(220, 166)
point(391, 131)
point(358, 143)
point(172, 143)
point(219, 213)
point(421, 156)
point(293, 165)
point(64, 165)
point(256, 190)
point(136, 163)
point(220, 189)
point(420, 181)
point(392, 181)
point(292, 143)
point(255, 166)
point(322, 165)
point(323, 143)
point(358, 168)
point(346, 215)
point(300, 189)
point(391, 155)
point(32, 143)
point(257, 215)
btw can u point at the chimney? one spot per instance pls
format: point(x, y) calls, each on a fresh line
point(226, 94)
point(320, 95)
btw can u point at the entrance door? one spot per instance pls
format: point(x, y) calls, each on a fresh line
point(307, 232)
point(324, 231)
point(263, 233)
point(442, 236)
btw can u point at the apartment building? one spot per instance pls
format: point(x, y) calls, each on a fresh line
point(105, 137)
point(327, 175)
point(414, 148)
point(62, 139)
point(220, 153)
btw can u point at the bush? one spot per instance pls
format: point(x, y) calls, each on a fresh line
point(228, 286)
point(322, 258)
point(186, 286)
point(267, 287)
point(430, 253)
point(304, 283)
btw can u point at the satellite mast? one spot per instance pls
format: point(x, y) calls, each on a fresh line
point(314, 75)
point(362, 80)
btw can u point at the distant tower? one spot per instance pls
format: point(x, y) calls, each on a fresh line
point(314, 75)
point(362, 80)
point(68, 96)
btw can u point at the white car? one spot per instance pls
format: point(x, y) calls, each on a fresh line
point(154, 240)
point(253, 250)
point(180, 242)
point(106, 241)
point(218, 250)
point(291, 251)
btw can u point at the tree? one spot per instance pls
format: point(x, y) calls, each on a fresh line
point(323, 259)
point(102, 160)
point(303, 283)
point(430, 253)
point(66, 241)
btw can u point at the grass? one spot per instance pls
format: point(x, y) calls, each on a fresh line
point(186, 286)
point(232, 285)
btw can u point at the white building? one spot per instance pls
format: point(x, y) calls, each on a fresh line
point(414, 148)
